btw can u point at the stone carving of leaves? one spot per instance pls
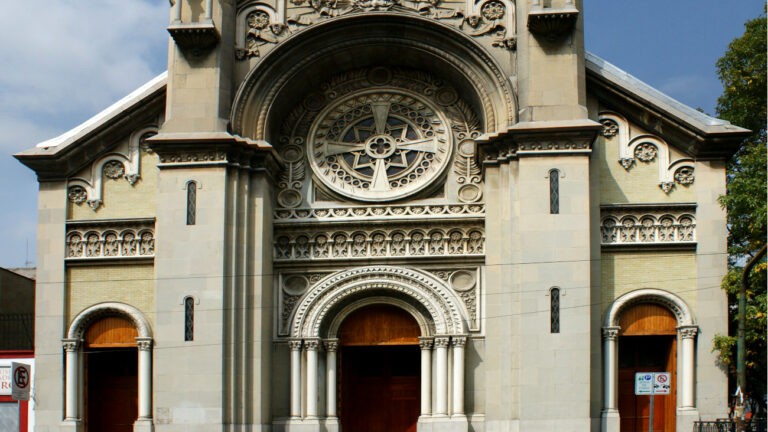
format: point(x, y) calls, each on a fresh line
point(321, 247)
point(129, 244)
point(684, 176)
point(378, 245)
point(398, 244)
point(301, 249)
point(93, 246)
point(647, 230)
point(628, 230)
point(667, 230)
point(147, 245)
point(686, 229)
point(417, 243)
point(456, 243)
point(436, 243)
point(340, 245)
point(609, 231)
point(289, 303)
point(475, 245)
point(359, 245)
point(111, 246)
point(610, 128)
point(493, 10)
point(77, 194)
point(114, 169)
point(470, 301)
point(75, 246)
point(646, 152)
point(283, 247)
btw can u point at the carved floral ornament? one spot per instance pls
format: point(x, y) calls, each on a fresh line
point(88, 188)
point(646, 149)
point(378, 135)
point(638, 226)
point(110, 240)
point(261, 26)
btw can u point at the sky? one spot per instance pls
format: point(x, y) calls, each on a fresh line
point(65, 60)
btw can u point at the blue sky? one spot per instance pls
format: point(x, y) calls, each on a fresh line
point(66, 60)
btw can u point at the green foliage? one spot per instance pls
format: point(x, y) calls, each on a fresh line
point(742, 70)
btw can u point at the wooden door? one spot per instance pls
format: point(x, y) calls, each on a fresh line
point(111, 390)
point(379, 364)
point(647, 343)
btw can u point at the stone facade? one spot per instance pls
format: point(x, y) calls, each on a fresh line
point(304, 159)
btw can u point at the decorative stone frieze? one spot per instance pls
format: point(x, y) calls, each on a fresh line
point(648, 225)
point(387, 242)
point(110, 239)
point(688, 331)
point(646, 148)
point(405, 212)
point(88, 186)
point(552, 23)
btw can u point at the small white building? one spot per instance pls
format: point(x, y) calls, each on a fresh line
point(381, 215)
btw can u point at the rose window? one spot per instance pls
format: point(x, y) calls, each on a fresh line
point(380, 146)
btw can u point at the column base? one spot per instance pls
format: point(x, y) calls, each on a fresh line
point(610, 421)
point(72, 425)
point(144, 425)
point(443, 423)
point(686, 417)
point(306, 425)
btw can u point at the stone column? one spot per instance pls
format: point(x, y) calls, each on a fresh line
point(311, 346)
point(331, 345)
point(295, 346)
point(458, 343)
point(426, 375)
point(441, 387)
point(144, 345)
point(687, 354)
point(610, 369)
point(72, 348)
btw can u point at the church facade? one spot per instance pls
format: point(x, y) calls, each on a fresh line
point(381, 215)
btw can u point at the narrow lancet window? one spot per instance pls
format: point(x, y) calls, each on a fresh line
point(191, 203)
point(189, 319)
point(554, 191)
point(554, 310)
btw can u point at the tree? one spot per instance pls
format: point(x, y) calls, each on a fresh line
point(742, 70)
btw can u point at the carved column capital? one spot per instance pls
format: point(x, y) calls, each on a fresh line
point(294, 344)
point(688, 332)
point(611, 333)
point(458, 341)
point(312, 344)
point(144, 343)
point(442, 341)
point(426, 343)
point(331, 345)
point(71, 345)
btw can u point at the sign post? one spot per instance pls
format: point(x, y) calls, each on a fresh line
point(21, 380)
point(651, 384)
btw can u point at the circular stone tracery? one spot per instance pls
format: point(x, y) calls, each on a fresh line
point(379, 146)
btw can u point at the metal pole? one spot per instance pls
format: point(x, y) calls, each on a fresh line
point(741, 373)
point(653, 391)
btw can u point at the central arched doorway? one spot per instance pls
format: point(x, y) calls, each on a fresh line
point(379, 370)
point(111, 375)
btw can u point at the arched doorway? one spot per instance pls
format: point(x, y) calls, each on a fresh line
point(647, 343)
point(379, 370)
point(111, 375)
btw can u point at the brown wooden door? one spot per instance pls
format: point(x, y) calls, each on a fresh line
point(111, 390)
point(379, 364)
point(380, 389)
point(646, 354)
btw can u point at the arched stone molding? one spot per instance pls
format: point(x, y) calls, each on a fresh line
point(445, 309)
point(86, 317)
point(647, 148)
point(277, 83)
point(73, 346)
point(425, 326)
point(686, 334)
point(114, 165)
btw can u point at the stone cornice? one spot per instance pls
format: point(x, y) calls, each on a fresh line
point(185, 150)
point(539, 138)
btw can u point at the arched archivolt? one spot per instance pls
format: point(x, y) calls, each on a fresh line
point(297, 67)
point(84, 319)
point(436, 307)
point(672, 302)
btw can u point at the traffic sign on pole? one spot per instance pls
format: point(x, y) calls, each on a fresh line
point(21, 381)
